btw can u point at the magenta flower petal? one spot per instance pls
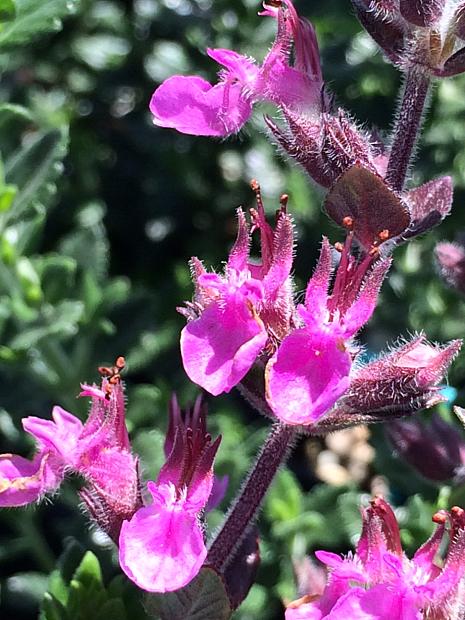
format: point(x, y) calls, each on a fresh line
point(307, 611)
point(23, 482)
point(239, 66)
point(192, 105)
point(361, 310)
point(161, 548)
point(306, 376)
point(219, 348)
point(59, 436)
point(316, 295)
point(219, 488)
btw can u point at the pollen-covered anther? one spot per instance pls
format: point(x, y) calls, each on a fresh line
point(440, 517)
point(348, 222)
point(283, 200)
point(338, 246)
point(383, 235)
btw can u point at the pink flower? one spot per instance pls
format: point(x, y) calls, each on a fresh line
point(232, 314)
point(380, 583)
point(161, 548)
point(310, 369)
point(98, 450)
point(192, 105)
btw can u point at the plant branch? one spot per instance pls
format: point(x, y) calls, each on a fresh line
point(246, 504)
point(408, 125)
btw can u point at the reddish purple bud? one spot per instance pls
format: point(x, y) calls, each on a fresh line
point(459, 21)
point(428, 205)
point(436, 450)
point(395, 385)
point(326, 145)
point(421, 12)
point(451, 260)
point(241, 571)
point(382, 21)
point(454, 65)
point(362, 198)
point(402, 378)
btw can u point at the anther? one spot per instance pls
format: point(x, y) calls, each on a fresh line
point(347, 222)
point(383, 235)
point(284, 199)
point(440, 517)
point(339, 246)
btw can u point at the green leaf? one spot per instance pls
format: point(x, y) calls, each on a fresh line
point(89, 572)
point(52, 609)
point(34, 18)
point(7, 11)
point(33, 167)
point(204, 598)
point(284, 499)
point(60, 321)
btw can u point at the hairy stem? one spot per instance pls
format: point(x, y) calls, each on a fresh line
point(245, 506)
point(407, 127)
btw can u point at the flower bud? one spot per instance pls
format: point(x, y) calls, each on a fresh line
point(436, 450)
point(394, 385)
point(450, 258)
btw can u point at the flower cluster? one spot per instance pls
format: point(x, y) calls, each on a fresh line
point(379, 582)
point(160, 537)
point(247, 318)
point(193, 106)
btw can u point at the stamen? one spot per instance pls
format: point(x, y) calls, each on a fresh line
point(440, 517)
point(112, 374)
point(348, 222)
point(383, 235)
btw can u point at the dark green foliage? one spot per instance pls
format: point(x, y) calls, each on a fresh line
point(99, 213)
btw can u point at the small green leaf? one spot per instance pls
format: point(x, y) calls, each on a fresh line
point(34, 18)
point(89, 572)
point(7, 11)
point(52, 609)
point(7, 195)
point(32, 168)
point(284, 500)
point(204, 598)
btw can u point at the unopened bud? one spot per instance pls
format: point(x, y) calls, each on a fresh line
point(436, 450)
point(450, 258)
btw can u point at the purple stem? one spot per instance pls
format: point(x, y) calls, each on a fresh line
point(245, 506)
point(407, 127)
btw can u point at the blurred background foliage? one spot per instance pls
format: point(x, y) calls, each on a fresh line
point(99, 213)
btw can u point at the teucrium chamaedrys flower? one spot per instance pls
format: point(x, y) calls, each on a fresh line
point(380, 583)
point(233, 314)
point(161, 548)
point(192, 105)
point(310, 369)
point(98, 450)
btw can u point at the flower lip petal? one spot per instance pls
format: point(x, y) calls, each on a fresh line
point(306, 376)
point(219, 348)
point(23, 482)
point(161, 548)
point(194, 106)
